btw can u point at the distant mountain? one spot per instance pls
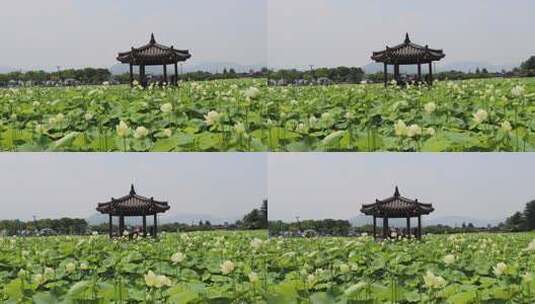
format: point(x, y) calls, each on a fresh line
point(6, 69)
point(98, 218)
point(452, 221)
point(211, 67)
point(463, 66)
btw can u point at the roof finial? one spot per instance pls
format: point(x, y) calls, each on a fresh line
point(132, 190)
point(396, 193)
point(407, 39)
point(152, 40)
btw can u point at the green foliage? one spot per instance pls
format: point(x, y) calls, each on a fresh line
point(360, 270)
point(318, 118)
point(95, 269)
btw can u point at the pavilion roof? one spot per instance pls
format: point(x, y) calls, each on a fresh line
point(408, 53)
point(153, 53)
point(133, 204)
point(397, 206)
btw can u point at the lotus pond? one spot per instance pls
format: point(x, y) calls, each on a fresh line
point(472, 268)
point(205, 267)
point(247, 115)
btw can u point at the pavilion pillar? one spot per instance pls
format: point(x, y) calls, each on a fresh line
point(121, 225)
point(165, 73)
point(131, 74)
point(386, 75)
point(419, 72)
point(374, 227)
point(144, 225)
point(176, 74)
point(110, 227)
point(396, 72)
point(155, 230)
point(430, 73)
point(142, 75)
point(419, 226)
point(409, 227)
point(385, 228)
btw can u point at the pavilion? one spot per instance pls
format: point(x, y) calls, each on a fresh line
point(397, 206)
point(133, 204)
point(153, 53)
point(408, 53)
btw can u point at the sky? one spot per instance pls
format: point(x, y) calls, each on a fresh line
point(80, 33)
point(335, 185)
point(53, 185)
point(345, 32)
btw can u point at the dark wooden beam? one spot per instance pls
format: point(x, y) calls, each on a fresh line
point(374, 227)
point(385, 228)
point(155, 226)
point(419, 226)
point(430, 73)
point(144, 225)
point(419, 72)
point(131, 74)
point(409, 227)
point(165, 73)
point(111, 226)
point(386, 75)
point(176, 74)
point(121, 225)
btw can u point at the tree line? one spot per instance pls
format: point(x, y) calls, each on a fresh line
point(255, 219)
point(522, 220)
point(86, 76)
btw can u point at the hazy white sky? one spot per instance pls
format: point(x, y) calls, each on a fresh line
point(77, 33)
point(71, 184)
point(335, 185)
point(345, 32)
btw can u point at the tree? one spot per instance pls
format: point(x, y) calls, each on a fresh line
point(528, 64)
point(264, 213)
point(529, 215)
point(515, 222)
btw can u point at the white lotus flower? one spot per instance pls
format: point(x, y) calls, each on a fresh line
point(166, 107)
point(518, 91)
point(499, 269)
point(84, 266)
point(39, 279)
point(430, 107)
point(256, 243)
point(167, 132)
point(344, 268)
point(480, 116)
point(251, 93)
point(434, 282)
point(506, 126)
point(531, 246)
point(253, 277)
point(88, 116)
point(178, 257)
point(414, 130)
point(400, 128)
point(211, 118)
point(239, 128)
point(527, 278)
point(449, 259)
point(122, 129)
point(70, 267)
point(141, 132)
point(227, 267)
point(40, 129)
point(430, 131)
point(151, 279)
point(311, 280)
